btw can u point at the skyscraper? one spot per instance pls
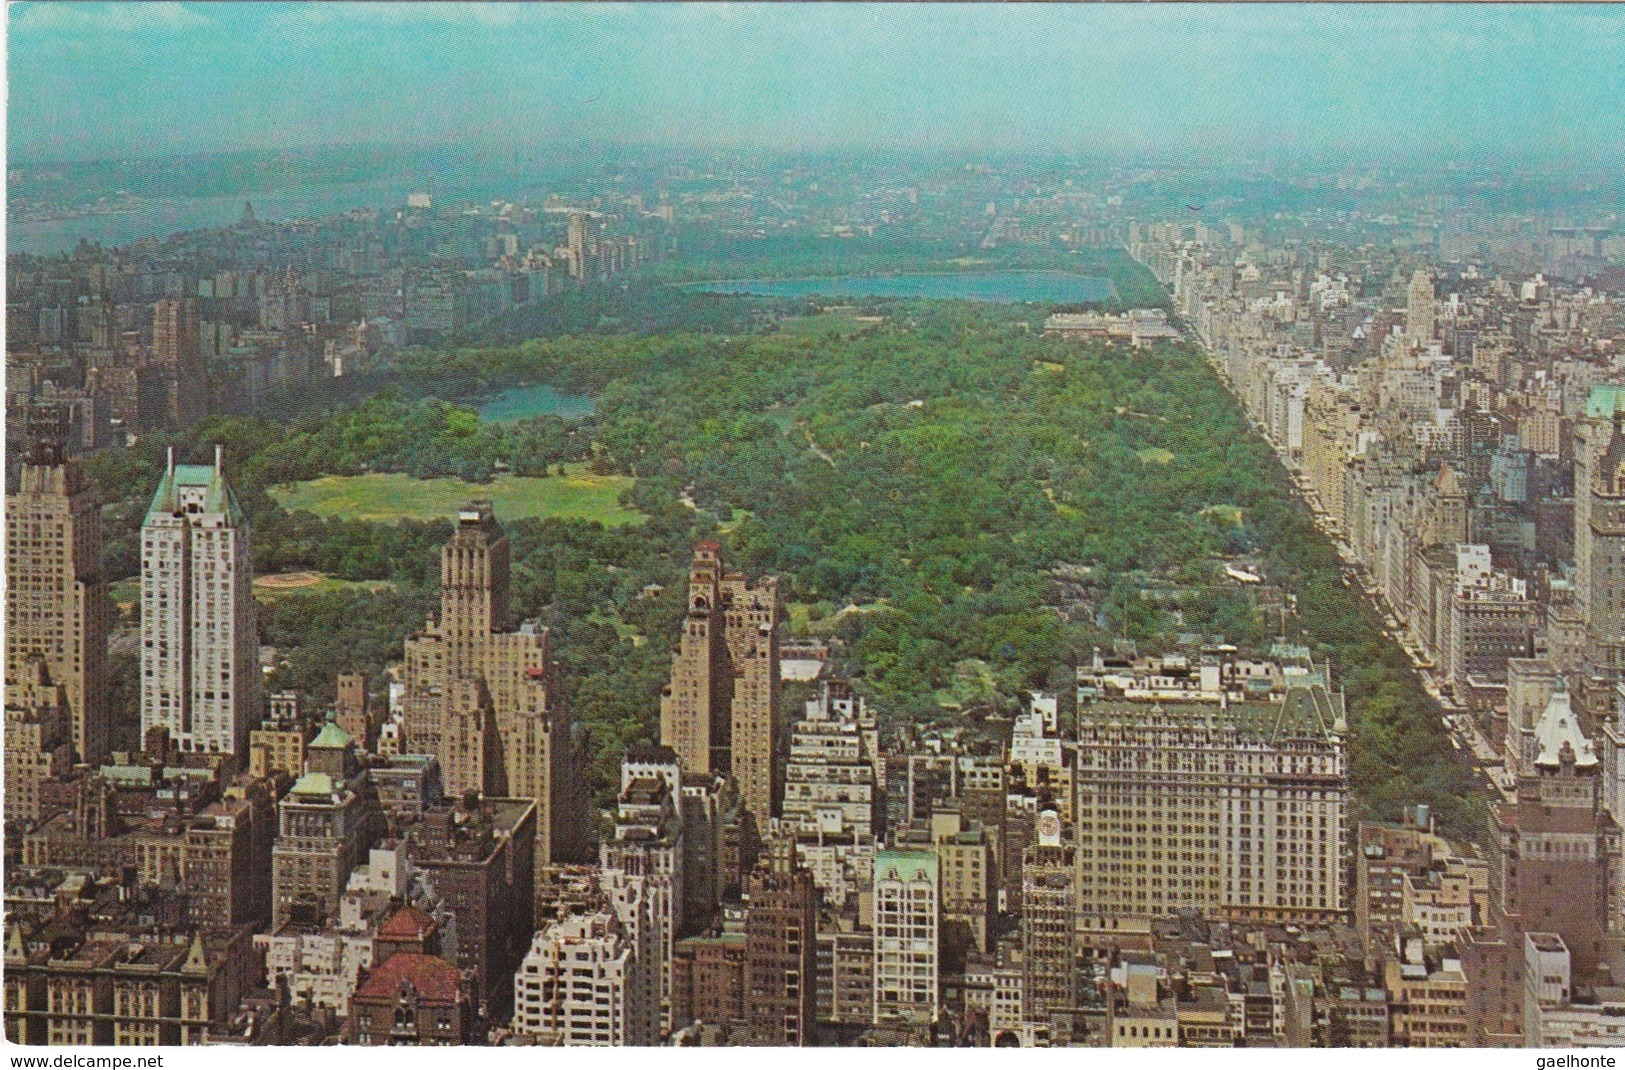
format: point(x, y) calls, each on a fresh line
point(1049, 907)
point(1555, 853)
point(1419, 309)
point(579, 985)
point(1599, 529)
point(200, 672)
point(905, 930)
point(176, 349)
point(694, 706)
point(485, 699)
point(37, 747)
point(580, 246)
point(1231, 780)
point(781, 942)
point(325, 825)
point(720, 712)
point(56, 604)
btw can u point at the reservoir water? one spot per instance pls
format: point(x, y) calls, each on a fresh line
point(996, 287)
point(523, 402)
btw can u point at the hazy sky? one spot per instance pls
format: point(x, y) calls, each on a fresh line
point(94, 80)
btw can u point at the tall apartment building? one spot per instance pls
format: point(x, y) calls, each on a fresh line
point(227, 857)
point(1531, 682)
point(1558, 1012)
point(708, 980)
point(486, 699)
point(354, 708)
point(325, 825)
point(905, 938)
point(176, 349)
point(1419, 311)
point(578, 986)
point(1048, 922)
point(1555, 853)
point(278, 744)
point(200, 671)
point(781, 943)
point(1611, 747)
point(1331, 426)
point(968, 890)
point(720, 712)
point(846, 968)
point(57, 610)
point(1492, 621)
point(478, 859)
point(1599, 529)
point(37, 746)
point(641, 872)
point(829, 780)
point(1234, 807)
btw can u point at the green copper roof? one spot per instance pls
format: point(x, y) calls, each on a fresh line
point(313, 784)
point(1307, 710)
point(1607, 400)
point(908, 864)
point(218, 497)
point(332, 737)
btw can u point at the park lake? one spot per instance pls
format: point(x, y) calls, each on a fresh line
point(524, 402)
point(997, 287)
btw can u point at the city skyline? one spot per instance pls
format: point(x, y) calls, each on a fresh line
point(811, 526)
point(1111, 78)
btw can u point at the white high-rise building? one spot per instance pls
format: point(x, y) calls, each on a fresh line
point(905, 912)
point(583, 984)
point(1419, 310)
point(200, 672)
point(641, 872)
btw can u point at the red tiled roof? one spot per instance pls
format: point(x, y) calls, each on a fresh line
point(436, 980)
point(407, 923)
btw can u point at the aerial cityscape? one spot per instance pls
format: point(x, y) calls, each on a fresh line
point(843, 552)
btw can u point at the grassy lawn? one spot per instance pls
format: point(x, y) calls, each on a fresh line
point(388, 497)
point(822, 325)
point(283, 584)
point(802, 624)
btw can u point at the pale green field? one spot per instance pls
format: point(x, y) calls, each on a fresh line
point(1154, 455)
point(822, 324)
point(283, 584)
point(388, 497)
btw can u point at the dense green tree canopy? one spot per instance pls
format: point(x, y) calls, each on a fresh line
point(968, 503)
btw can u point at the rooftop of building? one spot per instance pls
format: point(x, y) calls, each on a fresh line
point(1303, 712)
point(436, 981)
point(462, 835)
point(218, 495)
point(1557, 733)
point(315, 787)
point(331, 737)
point(650, 754)
point(407, 923)
point(1606, 401)
point(1547, 942)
